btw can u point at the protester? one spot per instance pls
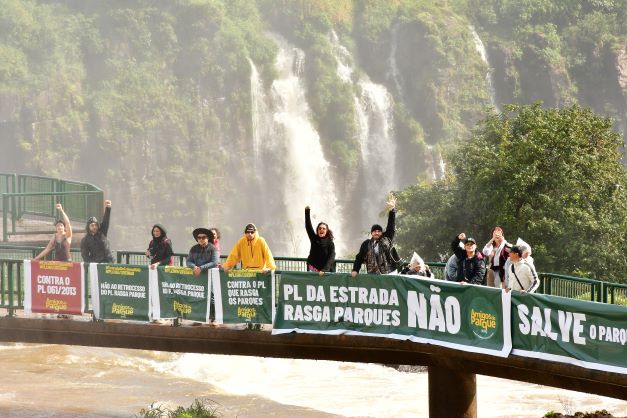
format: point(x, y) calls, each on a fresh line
point(252, 250)
point(521, 277)
point(61, 240)
point(417, 266)
point(95, 244)
point(159, 248)
point(202, 256)
point(376, 252)
point(497, 252)
point(216, 240)
point(470, 267)
point(322, 250)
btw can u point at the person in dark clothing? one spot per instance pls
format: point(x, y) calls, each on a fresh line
point(470, 268)
point(95, 244)
point(376, 252)
point(159, 248)
point(322, 252)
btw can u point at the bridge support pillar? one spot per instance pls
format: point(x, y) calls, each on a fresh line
point(452, 393)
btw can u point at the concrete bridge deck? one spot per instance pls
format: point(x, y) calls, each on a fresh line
point(448, 368)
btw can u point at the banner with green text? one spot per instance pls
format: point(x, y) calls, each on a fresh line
point(245, 296)
point(120, 291)
point(587, 334)
point(470, 318)
point(178, 293)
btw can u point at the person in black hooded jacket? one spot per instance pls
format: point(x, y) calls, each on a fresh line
point(159, 248)
point(95, 245)
point(322, 252)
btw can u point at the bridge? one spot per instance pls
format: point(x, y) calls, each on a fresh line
point(448, 368)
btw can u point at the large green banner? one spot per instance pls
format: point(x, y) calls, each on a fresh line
point(181, 294)
point(120, 291)
point(470, 318)
point(246, 296)
point(587, 334)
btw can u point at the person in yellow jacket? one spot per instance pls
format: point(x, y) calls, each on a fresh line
point(252, 250)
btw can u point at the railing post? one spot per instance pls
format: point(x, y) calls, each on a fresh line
point(452, 393)
point(5, 224)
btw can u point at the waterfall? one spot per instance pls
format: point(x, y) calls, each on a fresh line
point(375, 121)
point(438, 166)
point(488, 77)
point(393, 73)
point(259, 113)
point(293, 144)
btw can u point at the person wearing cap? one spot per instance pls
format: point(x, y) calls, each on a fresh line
point(521, 276)
point(497, 252)
point(376, 252)
point(159, 248)
point(95, 244)
point(252, 250)
point(202, 256)
point(61, 240)
point(470, 268)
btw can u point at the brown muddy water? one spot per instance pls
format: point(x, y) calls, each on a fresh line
point(72, 381)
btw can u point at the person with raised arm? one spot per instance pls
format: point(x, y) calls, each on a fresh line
point(321, 257)
point(95, 244)
point(61, 240)
point(376, 251)
point(470, 268)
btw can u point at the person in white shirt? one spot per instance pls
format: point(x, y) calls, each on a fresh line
point(521, 275)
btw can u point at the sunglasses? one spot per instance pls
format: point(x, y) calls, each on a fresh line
point(201, 237)
point(250, 232)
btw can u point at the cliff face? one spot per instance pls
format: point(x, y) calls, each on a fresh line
point(155, 105)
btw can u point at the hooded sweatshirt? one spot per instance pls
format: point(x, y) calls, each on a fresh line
point(160, 248)
point(95, 247)
point(254, 254)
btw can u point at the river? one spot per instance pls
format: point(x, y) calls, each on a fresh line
point(72, 381)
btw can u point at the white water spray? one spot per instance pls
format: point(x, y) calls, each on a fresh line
point(484, 57)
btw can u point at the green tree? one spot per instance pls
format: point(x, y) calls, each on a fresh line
point(550, 176)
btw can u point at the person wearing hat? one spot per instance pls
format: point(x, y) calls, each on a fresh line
point(95, 244)
point(252, 250)
point(470, 268)
point(521, 276)
point(376, 251)
point(202, 256)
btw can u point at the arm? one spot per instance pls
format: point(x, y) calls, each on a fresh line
point(268, 259)
point(310, 231)
point(104, 225)
point(488, 248)
point(46, 250)
point(328, 266)
point(191, 259)
point(359, 258)
point(214, 260)
point(457, 250)
point(85, 253)
point(68, 225)
point(535, 282)
point(233, 258)
point(390, 228)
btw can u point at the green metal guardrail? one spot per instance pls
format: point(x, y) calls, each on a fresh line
point(28, 203)
point(12, 256)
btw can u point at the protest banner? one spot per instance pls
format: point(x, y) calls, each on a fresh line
point(470, 318)
point(120, 291)
point(53, 287)
point(245, 296)
point(178, 293)
point(588, 334)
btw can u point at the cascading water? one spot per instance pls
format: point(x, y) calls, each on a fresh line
point(293, 142)
point(393, 73)
point(374, 116)
point(484, 57)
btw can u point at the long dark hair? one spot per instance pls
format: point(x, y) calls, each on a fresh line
point(329, 233)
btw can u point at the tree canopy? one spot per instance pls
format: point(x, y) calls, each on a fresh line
point(550, 176)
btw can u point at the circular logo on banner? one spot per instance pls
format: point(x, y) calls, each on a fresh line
point(483, 318)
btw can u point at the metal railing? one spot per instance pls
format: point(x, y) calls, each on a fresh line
point(28, 203)
point(12, 256)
